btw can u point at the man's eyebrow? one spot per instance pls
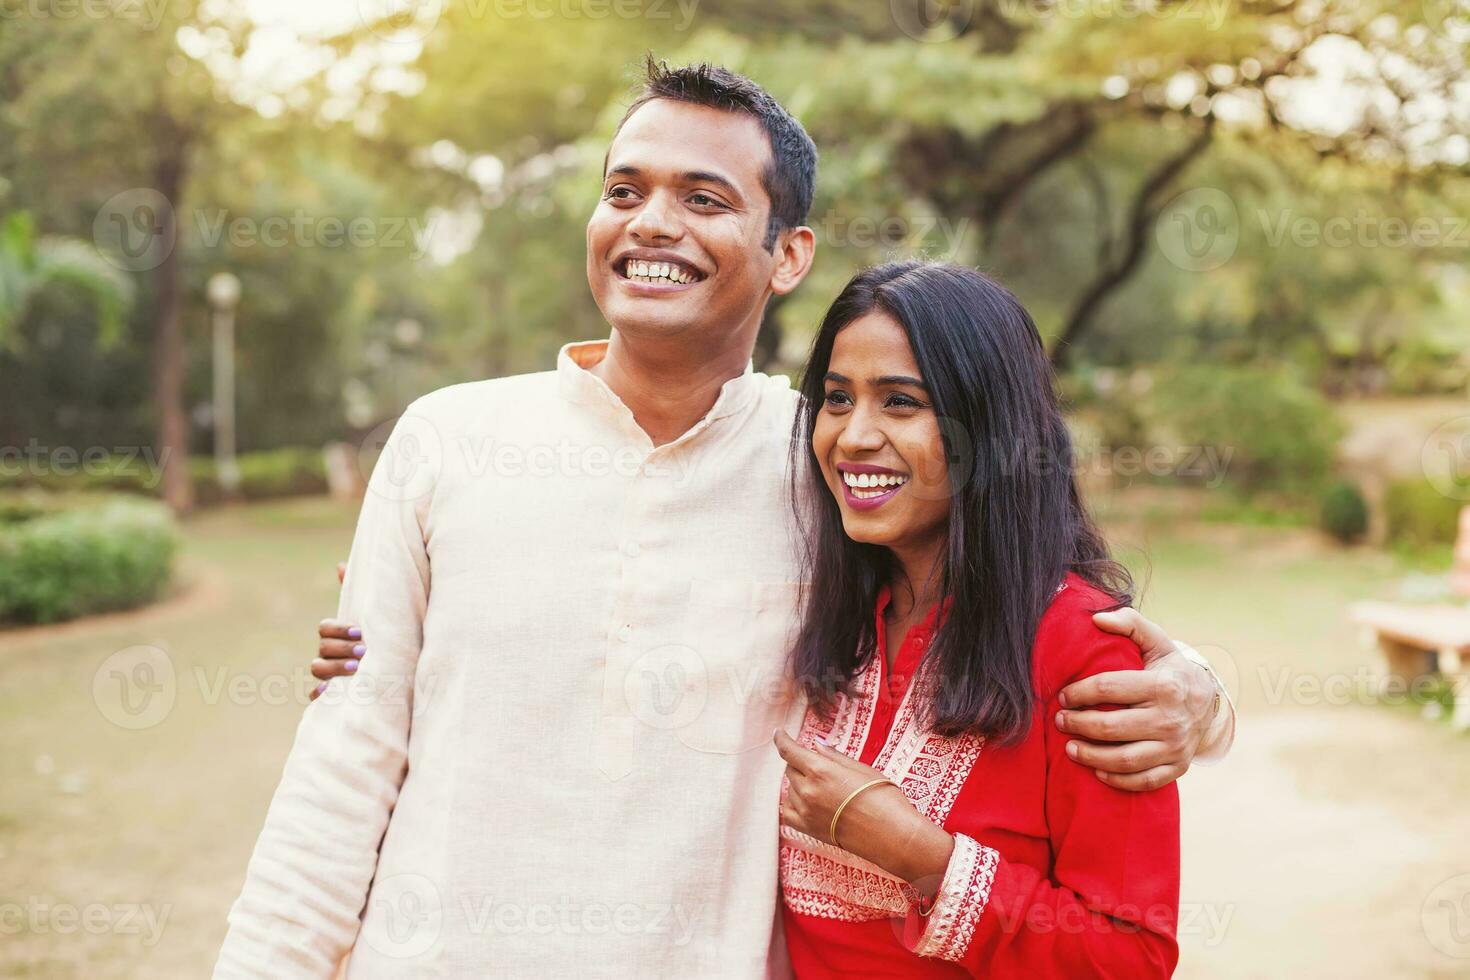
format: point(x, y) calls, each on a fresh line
point(687, 177)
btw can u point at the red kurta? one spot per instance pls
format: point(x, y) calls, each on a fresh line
point(1054, 873)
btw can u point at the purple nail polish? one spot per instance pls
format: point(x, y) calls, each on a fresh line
point(354, 633)
point(350, 666)
point(321, 687)
point(359, 650)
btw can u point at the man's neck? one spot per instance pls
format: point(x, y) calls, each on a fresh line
point(668, 387)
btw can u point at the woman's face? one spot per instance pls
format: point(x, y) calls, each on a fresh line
point(877, 438)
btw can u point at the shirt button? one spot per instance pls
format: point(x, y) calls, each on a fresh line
point(631, 549)
point(625, 632)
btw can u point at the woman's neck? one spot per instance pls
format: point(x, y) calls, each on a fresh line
point(917, 576)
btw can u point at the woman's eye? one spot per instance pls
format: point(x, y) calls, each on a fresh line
point(902, 401)
point(838, 399)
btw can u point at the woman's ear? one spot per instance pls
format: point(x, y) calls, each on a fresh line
point(795, 250)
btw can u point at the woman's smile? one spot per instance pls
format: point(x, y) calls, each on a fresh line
point(867, 487)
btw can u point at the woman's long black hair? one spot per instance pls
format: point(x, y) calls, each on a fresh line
point(1016, 521)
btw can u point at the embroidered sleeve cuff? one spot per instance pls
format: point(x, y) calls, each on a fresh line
point(946, 931)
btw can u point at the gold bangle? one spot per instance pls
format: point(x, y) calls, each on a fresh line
point(832, 831)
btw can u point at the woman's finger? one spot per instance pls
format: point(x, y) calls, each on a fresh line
point(327, 669)
point(796, 757)
point(335, 629)
point(340, 649)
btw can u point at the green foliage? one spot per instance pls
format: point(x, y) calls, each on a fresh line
point(1272, 432)
point(95, 557)
point(290, 472)
point(1419, 514)
point(29, 265)
point(1344, 513)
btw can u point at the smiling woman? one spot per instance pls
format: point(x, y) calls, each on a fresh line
point(958, 573)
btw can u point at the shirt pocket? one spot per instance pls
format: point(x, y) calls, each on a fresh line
point(739, 635)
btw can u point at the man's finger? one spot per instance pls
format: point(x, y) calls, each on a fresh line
point(1130, 757)
point(340, 650)
point(1121, 687)
point(1142, 782)
point(1129, 725)
point(1148, 635)
point(335, 629)
point(341, 572)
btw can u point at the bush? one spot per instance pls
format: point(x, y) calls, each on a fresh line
point(1271, 432)
point(1344, 512)
point(61, 562)
point(1417, 513)
point(291, 472)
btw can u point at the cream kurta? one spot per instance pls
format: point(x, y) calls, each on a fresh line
point(571, 729)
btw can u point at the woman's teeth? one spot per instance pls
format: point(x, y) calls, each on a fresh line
point(640, 271)
point(866, 485)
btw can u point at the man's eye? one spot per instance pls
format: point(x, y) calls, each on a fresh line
point(704, 200)
point(619, 193)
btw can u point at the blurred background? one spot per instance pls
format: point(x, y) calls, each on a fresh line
point(237, 238)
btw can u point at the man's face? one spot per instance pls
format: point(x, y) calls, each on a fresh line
point(676, 245)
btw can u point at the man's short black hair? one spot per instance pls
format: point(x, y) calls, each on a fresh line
point(791, 178)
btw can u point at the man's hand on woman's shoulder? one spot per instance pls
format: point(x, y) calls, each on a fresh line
point(1173, 711)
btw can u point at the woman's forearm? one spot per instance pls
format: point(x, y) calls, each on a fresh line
point(886, 830)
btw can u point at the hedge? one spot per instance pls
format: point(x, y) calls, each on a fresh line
point(60, 560)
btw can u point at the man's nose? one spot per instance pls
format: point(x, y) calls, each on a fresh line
point(657, 221)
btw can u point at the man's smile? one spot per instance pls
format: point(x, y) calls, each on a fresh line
point(657, 268)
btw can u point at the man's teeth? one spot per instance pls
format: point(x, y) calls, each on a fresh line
point(865, 485)
point(640, 271)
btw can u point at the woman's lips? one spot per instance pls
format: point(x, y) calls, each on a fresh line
point(869, 503)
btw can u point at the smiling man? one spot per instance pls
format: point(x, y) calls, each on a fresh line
point(556, 760)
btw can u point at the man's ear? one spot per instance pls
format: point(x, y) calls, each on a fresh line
point(795, 250)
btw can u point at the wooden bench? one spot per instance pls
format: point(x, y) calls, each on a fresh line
point(1416, 641)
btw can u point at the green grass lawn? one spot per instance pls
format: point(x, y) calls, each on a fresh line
point(109, 835)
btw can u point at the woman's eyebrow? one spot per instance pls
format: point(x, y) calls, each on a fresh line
point(897, 379)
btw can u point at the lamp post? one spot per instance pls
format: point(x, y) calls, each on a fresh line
point(223, 293)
